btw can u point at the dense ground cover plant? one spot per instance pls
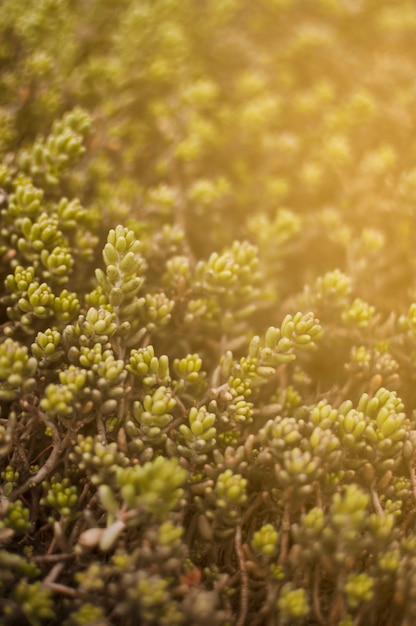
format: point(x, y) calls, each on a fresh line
point(208, 312)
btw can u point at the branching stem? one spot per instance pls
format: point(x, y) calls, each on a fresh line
point(57, 450)
point(412, 479)
point(243, 577)
point(62, 589)
point(284, 542)
point(376, 502)
point(316, 600)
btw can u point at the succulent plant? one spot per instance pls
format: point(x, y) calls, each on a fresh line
point(207, 313)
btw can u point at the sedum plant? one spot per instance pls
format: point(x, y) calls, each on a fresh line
point(207, 313)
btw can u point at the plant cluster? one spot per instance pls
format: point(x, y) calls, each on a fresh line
point(207, 313)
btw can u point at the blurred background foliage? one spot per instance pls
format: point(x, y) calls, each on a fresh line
point(287, 122)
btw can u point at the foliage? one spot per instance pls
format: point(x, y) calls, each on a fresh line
point(207, 312)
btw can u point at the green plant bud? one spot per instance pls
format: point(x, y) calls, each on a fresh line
point(390, 397)
point(325, 444)
point(143, 362)
point(115, 297)
point(123, 260)
point(332, 289)
point(46, 347)
point(113, 274)
point(129, 288)
point(369, 405)
point(287, 327)
point(208, 192)
point(170, 535)
point(40, 235)
point(66, 306)
point(389, 561)
point(34, 601)
point(324, 415)
point(346, 406)
point(267, 354)
point(16, 369)
point(20, 280)
point(157, 310)
point(61, 496)
point(271, 338)
point(303, 340)
point(408, 450)
point(240, 410)
point(51, 156)
point(354, 423)
point(110, 370)
point(281, 431)
point(231, 488)
point(235, 267)
point(57, 401)
point(156, 606)
point(265, 541)
point(155, 410)
point(26, 200)
point(314, 519)
point(39, 300)
point(98, 459)
point(200, 438)
point(359, 314)
point(156, 485)
point(73, 378)
point(133, 310)
point(163, 368)
point(254, 347)
point(358, 589)
point(368, 473)
point(202, 423)
point(97, 321)
point(10, 474)
point(110, 254)
point(109, 407)
point(290, 398)
point(108, 500)
point(281, 359)
point(87, 615)
point(360, 355)
point(103, 282)
point(58, 263)
point(284, 344)
point(264, 371)
point(381, 526)
point(118, 238)
point(292, 604)
point(301, 465)
point(348, 510)
point(70, 213)
point(391, 427)
point(178, 271)
point(128, 264)
point(26, 225)
point(188, 368)
point(16, 517)
point(198, 309)
point(88, 357)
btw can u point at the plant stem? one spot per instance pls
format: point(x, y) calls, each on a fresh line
point(244, 578)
